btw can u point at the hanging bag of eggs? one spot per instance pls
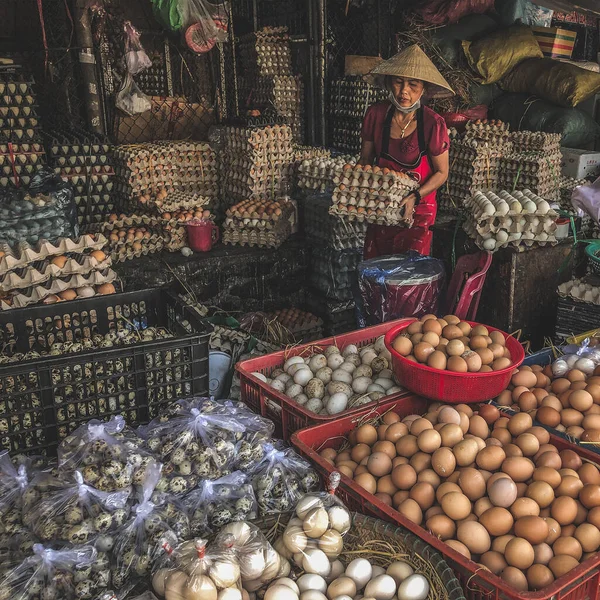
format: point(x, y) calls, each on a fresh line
point(192, 444)
point(313, 538)
point(281, 479)
point(15, 477)
point(109, 454)
point(52, 574)
point(215, 504)
point(157, 521)
point(193, 571)
point(66, 509)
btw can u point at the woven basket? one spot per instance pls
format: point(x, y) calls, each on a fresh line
point(376, 540)
point(593, 254)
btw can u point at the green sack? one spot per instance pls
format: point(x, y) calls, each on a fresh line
point(558, 82)
point(501, 51)
point(167, 14)
point(527, 113)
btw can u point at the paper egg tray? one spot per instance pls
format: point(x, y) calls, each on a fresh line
point(254, 237)
point(241, 138)
point(346, 134)
point(579, 290)
point(40, 272)
point(302, 153)
point(24, 254)
point(123, 250)
point(38, 293)
point(536, 141)
point(351, 96)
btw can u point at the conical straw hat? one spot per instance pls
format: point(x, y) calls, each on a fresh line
point(412, 63)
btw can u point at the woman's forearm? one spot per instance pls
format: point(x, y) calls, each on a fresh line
point(435, 182)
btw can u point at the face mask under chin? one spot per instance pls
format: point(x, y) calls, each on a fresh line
point(404, 109)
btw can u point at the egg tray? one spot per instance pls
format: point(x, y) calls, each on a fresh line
point(351, 96)
point(580, 291)
point(127, 221)
point(254, 237)
point(82, 182)
point(38, 293)
point(346, 134)
point(126, 252)
point(40, 272)
point(536, 141)
point(574, 316)
point(24, 254)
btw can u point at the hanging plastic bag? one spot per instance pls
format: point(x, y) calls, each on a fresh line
point(136, 59)
point(313, 539)
point(66, 509)
point(204, 24)
point(281, 479)
point(193, 570)
point(586, 200)
point(65, 574)
point(130, 99)
point(217, 503)
point(142, 540)
point(109, 454)
point(192, 445)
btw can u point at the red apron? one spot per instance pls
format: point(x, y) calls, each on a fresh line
point(382, 240)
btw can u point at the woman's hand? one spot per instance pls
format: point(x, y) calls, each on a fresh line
point(408, 202)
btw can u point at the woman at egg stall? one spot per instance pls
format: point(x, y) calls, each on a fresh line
point(402, 135)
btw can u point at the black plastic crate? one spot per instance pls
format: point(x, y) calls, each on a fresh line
point(42, 400)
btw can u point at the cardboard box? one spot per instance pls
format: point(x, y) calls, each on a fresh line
point(578, 163)
point(554, 41)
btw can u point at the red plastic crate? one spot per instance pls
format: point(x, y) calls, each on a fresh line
point(582, 583)
point(288, 415)
point(447, 386)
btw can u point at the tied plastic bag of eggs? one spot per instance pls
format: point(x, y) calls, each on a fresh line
point(453, 345)
point(281, 479)
point(15, 477)
point(154, 524)
point(337, 379)
point(215, 504)
point(313, 538)
point(109, 454)
point(259, 562)
point(66, 509)
point(63, 574)
point(194, 572)
point(359, 578)
point(584, 358)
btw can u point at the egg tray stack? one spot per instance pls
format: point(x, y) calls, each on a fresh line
point(19, 161)
point(151, 171)
point(370, 194)
point(83, 159)
point(257, 162)
point(19, 120)
point(566, 185)
point(493, 131)
point(254, 223)
point(575, 316)
point(539, 172)
point(266, 53)
point(319, 172)
point(519, 219)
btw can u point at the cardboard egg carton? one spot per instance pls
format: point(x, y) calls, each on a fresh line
point(579, 290)
point(38, 273)
point(24, 254)
point(254, 237)
point(125, 252)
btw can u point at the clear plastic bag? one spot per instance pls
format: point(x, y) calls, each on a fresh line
point(313, 538)
point(136, 59)
point(130, 99)
point(217, 503)
point(110, 455)
point(153, 526)
point(281, 479)
point(65, 574)
point(192, 445)
point(204, 24)
point(66, 509)
point(194, 570)
point(584, 358)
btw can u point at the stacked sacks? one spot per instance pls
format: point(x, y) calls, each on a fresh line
point(518, 219)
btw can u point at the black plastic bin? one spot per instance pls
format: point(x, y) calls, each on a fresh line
point(43, 399)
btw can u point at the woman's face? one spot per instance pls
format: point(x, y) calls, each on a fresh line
point(407, 91)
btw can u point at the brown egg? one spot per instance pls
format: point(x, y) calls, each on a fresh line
point(555, 530)
point(446, 488)
point(457, 364)
point(399, 497)
point(452, 332)
point(359, 452)
point(528, 443)
point(344, 470)
point(381, 430)
point(533, 529)
point(570, 459)
point(465, 452)
point(519, 553)
point(328, 454)
point(576, 375)
point(366, 434)
point(59, 261)
point(407, 446)
point(443, 462)
point(420, 461)
point(451, 434)
point(541, 492)
point(519, 423)
point(404, 477)
point(499, 543)
point(423, 494)
point(478, 427)
point(441, 526)
point(432, 325)
point(518, 468)
point(385, 485)
point(500, 364)
point(395, 431)
point(490, 458)
point(494, 561)
point(542, 435)
point(527, 401)
point(437, 360)
point(69, 294)
point(524, 378)
point(524, 507)
point(569, 486)
point(560, 385)
point(505, 398)
point(548, 459)
point(588, 536)
point(459, 547)
point(482, 505)
point(564, 510)
point(589, 495)
point(472, 483)
point(474, 536)
point(456, 505)
point(497, 521)
point(385, 446)
point(429, 441)
point(568, 545)
point(539, 576)
point(419, 425)
point(366, 481)
point(502, 492)
point(385, 498)
point(379, 464)
point(403, 345)
point(543, 553)
point(561, 564)
point(411, 510)
point(390, 418)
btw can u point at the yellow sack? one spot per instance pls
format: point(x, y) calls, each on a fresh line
point(558, 82)
point(498, 53)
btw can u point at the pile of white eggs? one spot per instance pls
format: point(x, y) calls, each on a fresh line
point(336, 380)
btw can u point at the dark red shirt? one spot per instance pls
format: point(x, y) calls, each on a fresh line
point(406, 150)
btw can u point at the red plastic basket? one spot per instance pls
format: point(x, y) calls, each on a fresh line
point(288, 415)
point(582, 583)
point(447, 386)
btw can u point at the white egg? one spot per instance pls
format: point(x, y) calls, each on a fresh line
point(253, 565)
point(297, 367)
point(374, 387)
point(380, 343)
point(341, 375)
point(415, 587)
point(305, 505)
point(260, 376)
point(360, 384)
point(343, 597)
point(292, 361)
point(341, 586)
point(399, 571)
point(312, 595)
point(324, 375)
point(369, 357)
point(339, 518)
point(337, 570)
point(316, 523)
point(377, 571)
point(308, 581)
point(280, 592)
point(240, 531)
point(334, 361)
point(317, 362)
point(337, 403)
point(314, 405)
point(303, 376)
point(289, 583)
point(386, 384)
point(382, 587)
point(230, 593)
point(284, 569)
point(278, 385)
point(348, 367)
point(224, 573)
point(316, 561)
point(360, 571)
point(331, 350)
point(349, 349)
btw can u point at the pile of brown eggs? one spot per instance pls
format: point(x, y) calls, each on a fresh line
point(494, 488)
point(453, 345)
